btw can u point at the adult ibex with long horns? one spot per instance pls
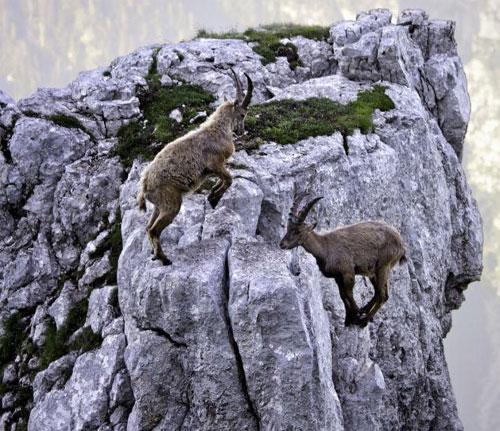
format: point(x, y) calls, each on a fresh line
point(184, 164)
point(370, 248)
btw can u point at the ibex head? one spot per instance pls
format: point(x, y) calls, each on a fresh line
point(240, 105)
point(297, 229)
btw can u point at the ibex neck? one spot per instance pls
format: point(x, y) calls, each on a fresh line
point(312, 243)
point(221, 121)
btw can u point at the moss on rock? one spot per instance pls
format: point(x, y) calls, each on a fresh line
point(288, 121)
point(57, 340)
point(66, 121)
point(14, 332)
point(145, 138)
point(268, 39)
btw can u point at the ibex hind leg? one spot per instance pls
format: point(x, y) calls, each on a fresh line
point(363, 310)
point(346, 286)
point(380, 297)
point(163, 220)
point(154, 216)
point(165, 217)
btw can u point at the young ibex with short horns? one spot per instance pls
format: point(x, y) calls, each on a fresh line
point(182, 165)
point(369, 248)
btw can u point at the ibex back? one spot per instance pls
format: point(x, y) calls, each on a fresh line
point(184, 164)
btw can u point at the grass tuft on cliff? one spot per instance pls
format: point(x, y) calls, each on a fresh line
point(289, 121)
point(14, 332)
point(66, 121)
point(57, 340)
point(148, 136)
point(268, 40)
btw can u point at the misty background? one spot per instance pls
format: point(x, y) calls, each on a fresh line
point(46, 43)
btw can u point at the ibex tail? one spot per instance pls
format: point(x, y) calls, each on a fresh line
point(141, 198)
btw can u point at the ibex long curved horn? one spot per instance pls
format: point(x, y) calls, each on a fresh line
point(303, 213)
point(294, 210)
point(248, 96)
point(237, 83)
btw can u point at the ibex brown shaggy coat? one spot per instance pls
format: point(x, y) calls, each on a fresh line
point(369, 248)
point(182, 166)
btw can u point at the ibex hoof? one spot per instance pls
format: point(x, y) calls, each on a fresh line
point(213, 201)
point(363, 316)
point(165, 260)
point(363, 322)
point(351, 321)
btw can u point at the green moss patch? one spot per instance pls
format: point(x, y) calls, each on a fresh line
point(66, 121)
point(267, 39)
point(12, 339)
point(289, 121)
point(148, 136)
point(57, 340)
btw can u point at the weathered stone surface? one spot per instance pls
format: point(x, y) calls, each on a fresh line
point(236, 333)
point(83, 402)
point(417, 52)
point(101, 103)
point(102, 308)
point(55, 376)
point(9, 374)
point(85, 196)
point(9, 112)
point(60, 308)
point(284, 345)
point(238, 213)
point(177, 326)
point(315, 56)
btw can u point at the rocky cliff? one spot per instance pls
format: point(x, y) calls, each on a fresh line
point(97, 336)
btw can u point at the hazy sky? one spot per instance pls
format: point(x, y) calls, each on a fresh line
point(45, 43)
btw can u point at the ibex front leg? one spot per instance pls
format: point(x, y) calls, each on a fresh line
point(345, 284)
point(222, 185)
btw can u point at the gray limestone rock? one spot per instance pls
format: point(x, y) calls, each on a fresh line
point(83, 401)
point(282, 334)
point(9, 374)
point(101, 311)
point(237, 334)
point(60, 308)
point(54, 376)
point(415, 52)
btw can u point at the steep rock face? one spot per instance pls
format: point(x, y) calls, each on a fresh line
point(417, 52)
point(230, 337)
